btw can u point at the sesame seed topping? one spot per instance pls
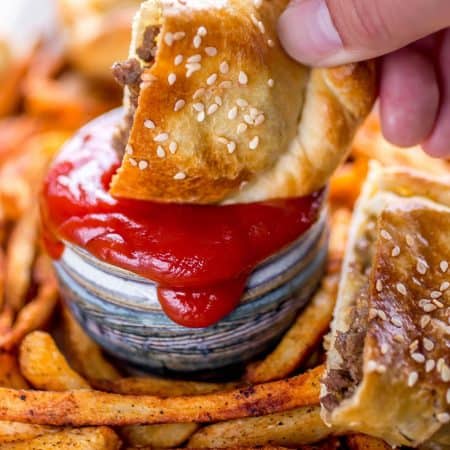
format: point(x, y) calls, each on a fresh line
point(254, 19)
point(401, 288)
point(425, 320)
point(258, 3)
point(180, 104)
point(218, 100)
point(211, 79)
point(416, 281)
point(213, 108)
point(161, 137)
point(144, 85)
point(226, 84)
point(396, 322)
point(253, 113)
point(202, 31)
point(430, 365)
point(414, 346)
point(169, 39)
point(179, 176)
point(409, 240)
point(444, 286)
point(443, 265)
point(448, 396)
point(412, 379)
point(395, 251)
point(260, 120)
point(178, 60)
point(436, 294)
point(422, 266)
point(197, 41)
point(133, 162)
point(373, 313)
point(243, 78)
point(198, 107)
point(231, 147)
point(382, 315)
point(232, 113)
point(198, 93)
point(172, 78)
point(379, 285)
point(222, 140)
point(253, 145)
point(143, 165)
point(129, 149)
point(371, 366)
point(224, 67)
point(261, 26)
point(194, 58)
point(440, 364)
point(418, 357)
point(429, 307)
point(445, 373)
point(179, 35)
point(211, 51)
point(271, 83)
point(160, 152)
point(428, 344)
point(248, 119)
point(201, 116)
point(173, 147)
point(384, 348)
point(443, 417)
point(385, 235)
point(149, 124)
point(242, 128)
point(399, 338)
point(147, 77)
point(271, 43)
point(191, 68)
point(242, 103)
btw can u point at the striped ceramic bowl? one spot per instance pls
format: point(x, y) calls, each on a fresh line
point(121, 312)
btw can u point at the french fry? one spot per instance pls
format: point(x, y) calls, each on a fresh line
point(300, 341)
point(33, 315)
point(85, 354)
point(10, 375)
point(234, 448)
point(15, 431)
point(158, 436)
point(363, 442)
point(6, 320)
point(19, 258)
point(101, 438)
point(45, 367)
point(86, 408)
point(292, 428)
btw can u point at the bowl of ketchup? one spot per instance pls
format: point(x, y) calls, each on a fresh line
point(172, 287)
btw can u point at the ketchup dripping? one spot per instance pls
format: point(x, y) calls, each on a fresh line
point(199, 256)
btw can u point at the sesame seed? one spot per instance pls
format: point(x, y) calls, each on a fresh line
point(143, 165)
point(395, 251)
point(428, 344)
point(149, 124)
point(425, 320)
point(430, 365)
point(129, 149)
point(198, 93)
point(418, 357)
point(409, 240)
point(416, 281)
point(257, 3)
point(172, 78)
point(224, 67)
point(422, 266)
point(253, 145)
point(179, 35)
point(253, 113)
point(429, 307)
point(232, 113)
point(371, 366)
point(254, 19)
point(243, 78)
point(261, 26)
point(198, 107)
point(436, 294)
point(160, 152)
point(218, 100)
point(191, 68)
point(412, 379)
point(169, 39)
point(448, 396)
point(201, 116)
point(242, 103)
point(444, 286)
point(180, 104)
point(161, 137)
point(385, 235)
point(396, 322)
point(445, 373)
point(222, 140)
point(197, 41)
point(178, 60)
point(144, 85)
point(147, 77)
point(399, 338)
point(414, 346)
point(231, 147)
point(443, 265)
point(173, 147)
point(179, 176)
point(384, 348)
point(226, 84)
point(271, 83)
point(211, 79)
point(242, 128)
point(194, 59)
point(443, 417)
point(440, 364)
point(382, 315)
point(373, 313)
point(133, 162)
point(260, 120)
point(379, 285)
point(248, 119)
point(202, 31)
point(213, 109)
point(211, 51)
point(401, 288)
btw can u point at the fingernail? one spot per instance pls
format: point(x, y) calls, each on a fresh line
point(308, 33)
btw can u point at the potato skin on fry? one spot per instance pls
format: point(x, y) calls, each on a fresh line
point(16, 431)
point(83, 408)
point(363, 442)
point(10, 375)
point(101, 438)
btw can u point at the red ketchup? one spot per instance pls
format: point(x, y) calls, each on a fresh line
point(199, 256)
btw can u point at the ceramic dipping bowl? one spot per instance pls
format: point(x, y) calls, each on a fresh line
point(120, 310)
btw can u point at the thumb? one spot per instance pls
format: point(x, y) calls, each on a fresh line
point(332, 32)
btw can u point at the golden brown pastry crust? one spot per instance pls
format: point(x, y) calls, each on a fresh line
point(405, 391)
point(292, 135)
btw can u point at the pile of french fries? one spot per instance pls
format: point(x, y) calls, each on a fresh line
point(57, 388)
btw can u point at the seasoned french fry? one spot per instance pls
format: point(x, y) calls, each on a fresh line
point(300, 341)
point(101, 438)
point(2, 280)
point(292, 428)
point(19, 258)
point(162, 387)
point(363, 442)
point(158, 436)
point(85, 408)
point(10, 375)
point(6, 320)
point(33, 316)
point(86, 355)
point(45, 367)
point(233, 448)
point(15, 431)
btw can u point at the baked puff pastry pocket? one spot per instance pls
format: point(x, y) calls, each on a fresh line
point(220, 113)
point(388, 366)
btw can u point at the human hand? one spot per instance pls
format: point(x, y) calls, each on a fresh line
point(413, 42)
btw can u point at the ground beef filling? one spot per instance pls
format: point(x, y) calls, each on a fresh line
point(128, 74)
point(341, 383)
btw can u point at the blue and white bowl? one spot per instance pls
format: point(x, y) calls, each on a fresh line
point(120, 310)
